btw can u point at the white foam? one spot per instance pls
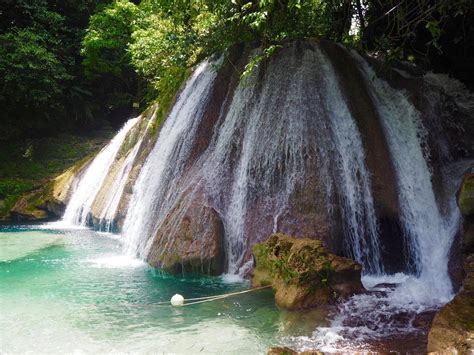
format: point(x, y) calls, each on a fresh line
point(369, 281)
point(61, 225)
point(232, 279)
point(116, 262)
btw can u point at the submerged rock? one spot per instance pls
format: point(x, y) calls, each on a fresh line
point(190, 239)
point(303, 273)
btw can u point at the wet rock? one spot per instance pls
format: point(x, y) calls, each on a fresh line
point(303, 273)
point(190, 239)
point(56, 195)
point(283, 350)
point(452, 330)
point(23, 210)
point(466, 195)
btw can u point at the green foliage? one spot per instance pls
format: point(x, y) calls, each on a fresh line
point(105, 43)
point(27, 165)
point(10, 192)
point(41, 81)
point(278, 266)
point(421, 31)
point(67, 64)
point(32, 72)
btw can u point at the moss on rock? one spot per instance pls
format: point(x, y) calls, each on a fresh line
point(452, 330)
point(466, 195)
point(303, 273)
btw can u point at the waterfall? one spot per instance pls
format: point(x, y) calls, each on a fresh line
point(352, 178)
point(90, 182)
point(368, 318)
point(111, 205)
point(277, 133)
point(295, 114)
point(429, 233)
point(165, 163)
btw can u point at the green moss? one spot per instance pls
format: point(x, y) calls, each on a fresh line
point(167, 92)
point(10, 191)
point(466, 196)
point(304, 264)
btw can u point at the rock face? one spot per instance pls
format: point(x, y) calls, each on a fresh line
point(190, 239)
point(303, 273)
point(24, 210)
point(452, 330)
point(62, 188)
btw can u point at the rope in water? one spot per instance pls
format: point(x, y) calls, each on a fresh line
point(198, 300)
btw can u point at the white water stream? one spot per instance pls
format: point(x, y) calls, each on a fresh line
point(165, 162)
point(108, 213)
point(429, 232)
point(386, 311)
point(90, 182)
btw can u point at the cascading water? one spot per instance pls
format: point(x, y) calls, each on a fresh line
point(312, 119)
point(353, 181)
point(165, 162)
point(112, 202)
point(429, 233)
point(385, 312)
point(265, 146)
point(88, 186)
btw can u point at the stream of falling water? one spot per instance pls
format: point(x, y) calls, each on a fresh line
point(90, 182)
point(109, 210)
point(165, 162)
point(392, 311)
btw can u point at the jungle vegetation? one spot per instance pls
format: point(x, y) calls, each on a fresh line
point(73, 65)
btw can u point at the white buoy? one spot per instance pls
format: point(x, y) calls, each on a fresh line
point(177, 300)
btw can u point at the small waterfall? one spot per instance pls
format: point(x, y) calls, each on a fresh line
point(88, 186)
point(352, 177)
point(391, 312)
point(114, 196)
point(165, 163)
point(428, 231)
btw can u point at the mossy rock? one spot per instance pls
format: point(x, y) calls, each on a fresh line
point(49, 201)
point(466, 195)
point(452, 330)
point(25, 211)
point(303, 273)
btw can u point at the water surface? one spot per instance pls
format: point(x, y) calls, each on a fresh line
point(74, 291)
